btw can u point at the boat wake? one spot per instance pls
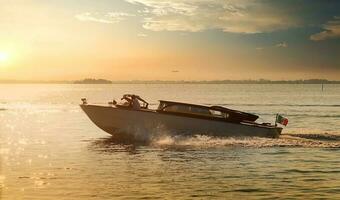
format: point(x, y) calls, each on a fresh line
point(298, 140)
point(161, 137)
point(322, 137)
point(200, 141)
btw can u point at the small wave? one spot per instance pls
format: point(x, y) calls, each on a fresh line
point(3, 109)
point(301, 115)
point(273, 104)
point(310, 115)
point(311, 171)
point(249, 190)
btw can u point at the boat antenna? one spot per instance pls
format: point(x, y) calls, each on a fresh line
point(276, 119)
point(113, 100)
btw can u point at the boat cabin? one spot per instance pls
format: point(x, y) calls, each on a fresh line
point(176, 107)
point(189, 110)
point(216, 112)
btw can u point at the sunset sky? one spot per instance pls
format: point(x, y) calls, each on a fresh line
point(169, 39)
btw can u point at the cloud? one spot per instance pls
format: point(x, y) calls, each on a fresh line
point(332, 30)
point(106, 18)
point(282, 45)
point(142, 35)
point(241, 16)
point(279, 45)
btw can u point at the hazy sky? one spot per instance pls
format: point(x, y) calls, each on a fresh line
point(169, 39)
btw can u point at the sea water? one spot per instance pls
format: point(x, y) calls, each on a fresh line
point(49, 149)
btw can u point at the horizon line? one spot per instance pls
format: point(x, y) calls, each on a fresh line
point(217, 81)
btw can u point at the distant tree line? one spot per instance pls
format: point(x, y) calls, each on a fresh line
point(93, 81)
point(260, 81)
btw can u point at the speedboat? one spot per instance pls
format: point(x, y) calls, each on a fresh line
point(176, 118)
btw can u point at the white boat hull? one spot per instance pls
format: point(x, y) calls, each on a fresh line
point(128, 122)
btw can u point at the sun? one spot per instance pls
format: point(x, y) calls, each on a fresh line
point(3, 56)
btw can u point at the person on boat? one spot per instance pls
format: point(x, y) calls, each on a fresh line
point(132, 101)
point(135, 102)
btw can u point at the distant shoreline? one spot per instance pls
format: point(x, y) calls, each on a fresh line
point(103, 81)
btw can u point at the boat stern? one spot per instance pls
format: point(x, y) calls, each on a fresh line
point(275, 132)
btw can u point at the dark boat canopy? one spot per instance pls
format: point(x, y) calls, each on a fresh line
point(207, 111)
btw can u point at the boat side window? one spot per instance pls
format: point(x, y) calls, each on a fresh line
point(163, 106)
point(217, 113)
point(187, 109)
point(177, 108)
point(191, 109)
point(199, 111)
